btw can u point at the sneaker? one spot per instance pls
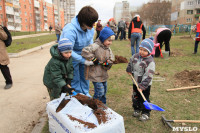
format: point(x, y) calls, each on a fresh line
point(144, 117)
point(8, 86)
point(136, 113)
point(194, 53)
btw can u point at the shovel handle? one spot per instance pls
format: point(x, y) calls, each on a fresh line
point(186, 121)
point(138, 88)
point(183, 88)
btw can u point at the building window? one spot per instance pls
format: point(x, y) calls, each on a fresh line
point(1, 16)
point(189, 20)
point(198, 11)
point(0, 7)
point(189, 11)
point(25, 6)
point(190, 3)
point(26, 27)
point(25, 20)
point(25, 13)
point(198, 2)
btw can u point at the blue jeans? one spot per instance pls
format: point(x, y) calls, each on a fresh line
point(100, 89)
point(79, 82)
point(135, 37)
point(58, 37)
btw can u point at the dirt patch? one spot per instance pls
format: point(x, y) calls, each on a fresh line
point(97, 106)
point(120, 59)
point(176, 52)
point(187, 78)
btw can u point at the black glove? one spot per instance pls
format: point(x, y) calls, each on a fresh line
point(69, 81)
point(95, 61)
point(66, 89)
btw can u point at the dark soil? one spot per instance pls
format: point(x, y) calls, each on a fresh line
point(188, 78)
point(120, 59)
point(97, 106)
point(86, 124)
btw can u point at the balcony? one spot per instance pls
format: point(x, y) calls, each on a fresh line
point(9, 1)
point(16, 13)
point(37, 11)
point(36, 4)
point(55, 11)
point(196, 15)
point(11, 20)
point(9, 10)
point(18, 21)
point(45, 14)
point(45, 18)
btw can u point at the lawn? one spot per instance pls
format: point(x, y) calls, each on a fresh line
point(183, 105)
point(27, 43)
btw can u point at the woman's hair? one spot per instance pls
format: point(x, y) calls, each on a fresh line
point(87, 15)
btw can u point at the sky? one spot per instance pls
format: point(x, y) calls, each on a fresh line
point(103, 7)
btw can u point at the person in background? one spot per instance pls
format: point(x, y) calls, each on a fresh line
point(59, 70)
point(197, 37)
point(4, 59)
point(162, 35)
point(80, 32)
point(125, 31)
point(112, 25)
point(98, 28)
point(136, 28)
point(58, 30)
point(102, 57)
point(121, 29)
point(50, 28)
point(142, 68)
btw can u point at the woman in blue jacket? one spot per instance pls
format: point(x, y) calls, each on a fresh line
point(80, 32)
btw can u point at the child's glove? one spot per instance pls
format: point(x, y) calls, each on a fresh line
point(107, 63)
point(69, 81)
point(66, 89)
point(88, 63)
point(95, 61)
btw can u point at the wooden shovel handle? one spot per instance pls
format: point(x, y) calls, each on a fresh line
point(183, 88)
point(186, 121)
point(138, 88)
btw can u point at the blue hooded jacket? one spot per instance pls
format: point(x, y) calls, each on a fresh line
point(78, 37)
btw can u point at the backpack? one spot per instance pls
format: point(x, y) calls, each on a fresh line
point(121, 24)
point(8, 41)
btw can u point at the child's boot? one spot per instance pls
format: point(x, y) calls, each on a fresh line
point(136, 113)
point(144, 117)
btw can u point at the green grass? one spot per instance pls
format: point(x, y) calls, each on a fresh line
point(27, 43)
point(16, 33)
point(120, 89)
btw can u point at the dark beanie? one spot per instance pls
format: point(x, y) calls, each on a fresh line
point(105, 33)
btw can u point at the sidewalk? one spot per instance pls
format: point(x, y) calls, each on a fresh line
point(28, 36)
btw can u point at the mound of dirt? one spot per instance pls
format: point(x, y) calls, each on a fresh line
point(175, 53)
point(188, 78)
point(97, 106)
point(120, 59)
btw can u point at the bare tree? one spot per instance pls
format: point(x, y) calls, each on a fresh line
point(156, 12)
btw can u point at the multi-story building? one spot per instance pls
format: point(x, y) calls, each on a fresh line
point(121, 10)
point(34, 15)
point(185, 12)
point(69, 9)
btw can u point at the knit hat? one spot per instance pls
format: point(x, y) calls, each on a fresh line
point(105, 33)
point(65, 45)
point(147, 44)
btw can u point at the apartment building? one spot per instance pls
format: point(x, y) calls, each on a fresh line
point(69, 9)
point(121, 10)
point(33, 15)
point(185, 12)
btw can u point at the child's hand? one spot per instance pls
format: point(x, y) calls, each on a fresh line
point(95, 61)
point(129, 73)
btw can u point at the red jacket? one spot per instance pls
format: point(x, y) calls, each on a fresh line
point(198, 27)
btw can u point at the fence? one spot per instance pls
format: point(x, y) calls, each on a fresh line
point(174, 28)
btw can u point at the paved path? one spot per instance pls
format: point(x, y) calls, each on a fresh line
point(23, 104)
point(31, 35)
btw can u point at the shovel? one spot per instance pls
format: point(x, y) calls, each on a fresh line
point(147, 105)
point(167, 122)
point(64, 102)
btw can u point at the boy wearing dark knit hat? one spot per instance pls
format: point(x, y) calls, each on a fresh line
point(102, 57)
point(142, 67)
point(59, 70)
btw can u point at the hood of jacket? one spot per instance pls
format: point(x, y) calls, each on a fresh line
point(76, 24)
point(98, 41)
point(55, 53)
point(136, 19)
